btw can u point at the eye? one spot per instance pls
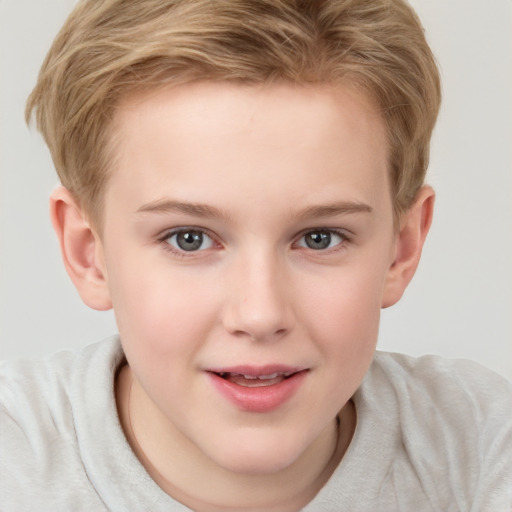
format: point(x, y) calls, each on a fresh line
point(189, 240)
point(321, 239)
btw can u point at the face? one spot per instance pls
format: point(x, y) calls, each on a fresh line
point(247, 237)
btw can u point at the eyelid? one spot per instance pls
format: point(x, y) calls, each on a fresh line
point(168, 233)
point(344, 234)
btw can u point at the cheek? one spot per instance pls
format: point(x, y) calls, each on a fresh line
point(159, 312)
point(343, 316)
point(162, 324)
point(347, 300)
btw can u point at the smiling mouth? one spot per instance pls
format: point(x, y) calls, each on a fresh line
point(258, 390)
point(252, 381)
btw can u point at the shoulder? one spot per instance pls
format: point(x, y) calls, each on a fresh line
point(454, 383)
point(40, 401)
point(456, 399)
point(44, 385)
point(453, 420)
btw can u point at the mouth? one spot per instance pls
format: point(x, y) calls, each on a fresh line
point(259, 390)
point(255, 381)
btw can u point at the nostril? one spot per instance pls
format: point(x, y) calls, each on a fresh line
point(264, 319)
point(259, 335)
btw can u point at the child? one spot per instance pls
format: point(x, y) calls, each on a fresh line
point(243, 183)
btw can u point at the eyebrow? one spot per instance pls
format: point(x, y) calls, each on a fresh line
point(194, 209)
point(207, 211)
point(334, 209)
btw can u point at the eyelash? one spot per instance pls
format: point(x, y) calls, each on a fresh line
point(342, 234)
point(163, 240)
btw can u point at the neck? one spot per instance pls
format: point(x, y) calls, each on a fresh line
point(177, 465)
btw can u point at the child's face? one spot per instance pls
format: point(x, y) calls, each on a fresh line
point(248, 230)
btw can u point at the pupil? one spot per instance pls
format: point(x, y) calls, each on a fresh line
point(318, 240)
point(190, 240)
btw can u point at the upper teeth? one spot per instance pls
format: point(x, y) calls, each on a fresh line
point(261, 377)
point(271, 376)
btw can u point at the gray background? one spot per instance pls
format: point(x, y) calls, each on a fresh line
point(460, 302)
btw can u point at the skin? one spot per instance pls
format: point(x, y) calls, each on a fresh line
point(272, 168)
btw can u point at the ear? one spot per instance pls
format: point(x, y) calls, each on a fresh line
point(81, 250)
point(414, 227)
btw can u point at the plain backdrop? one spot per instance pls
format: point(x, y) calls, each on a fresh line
point(460, 302)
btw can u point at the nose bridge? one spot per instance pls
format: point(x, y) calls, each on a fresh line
point(258, 306)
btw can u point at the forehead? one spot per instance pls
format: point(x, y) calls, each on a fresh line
point(190, 139)
point(202, 106)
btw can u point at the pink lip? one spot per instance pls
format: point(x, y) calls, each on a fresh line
point(256, 371)
point(258, 399)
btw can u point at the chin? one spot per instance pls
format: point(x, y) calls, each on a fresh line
point(256, 466)
point(258, 458)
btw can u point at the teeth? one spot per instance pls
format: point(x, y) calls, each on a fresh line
point(271, 376)
point(261, 377)
point(253, 377)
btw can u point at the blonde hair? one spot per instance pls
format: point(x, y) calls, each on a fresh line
point(110, 48)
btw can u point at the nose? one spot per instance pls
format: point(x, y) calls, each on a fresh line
point(258, 305)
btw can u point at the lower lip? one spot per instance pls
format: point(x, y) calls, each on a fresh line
point(259, 399)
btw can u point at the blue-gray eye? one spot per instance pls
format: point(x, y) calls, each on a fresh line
point(319, 240)
point(190, 240)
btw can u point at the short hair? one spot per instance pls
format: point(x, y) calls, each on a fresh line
point(110, 48)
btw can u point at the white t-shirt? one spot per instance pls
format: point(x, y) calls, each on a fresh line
point(432, 435)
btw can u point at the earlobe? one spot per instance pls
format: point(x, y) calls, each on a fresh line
point(410, 239)
point(81, 250)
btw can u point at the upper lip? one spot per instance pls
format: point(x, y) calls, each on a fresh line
point(258, 371)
